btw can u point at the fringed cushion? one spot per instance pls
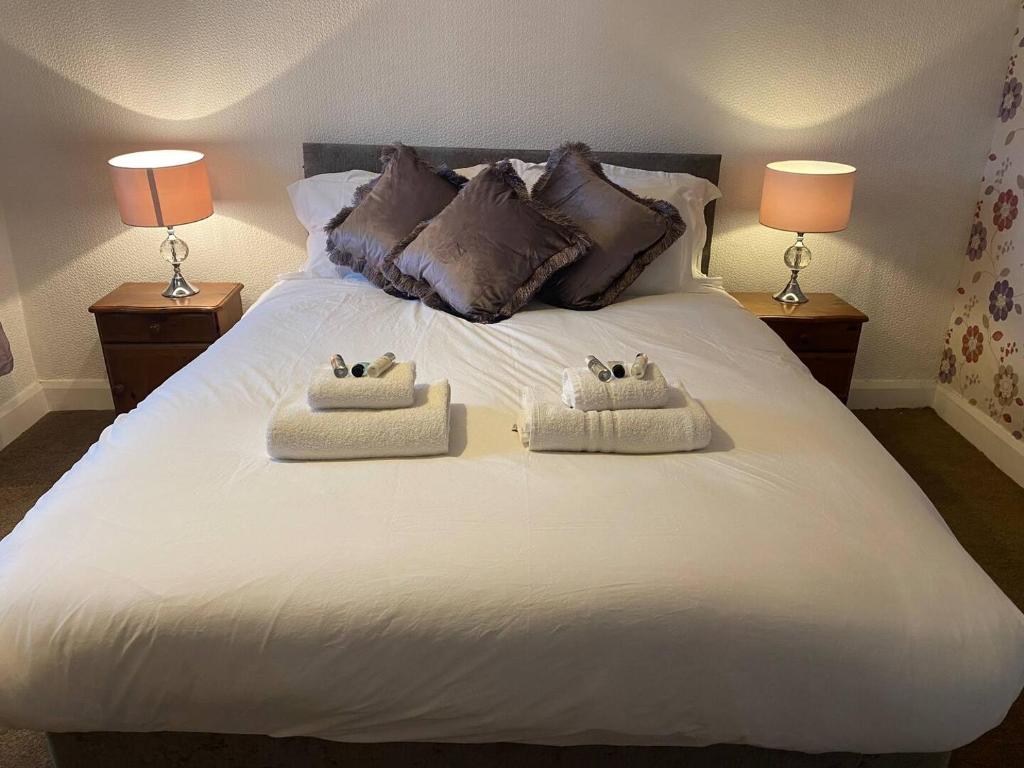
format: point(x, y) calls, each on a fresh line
point(486, 255)
point(628, 232)
point(385, 210)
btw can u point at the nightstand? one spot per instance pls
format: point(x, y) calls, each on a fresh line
point(146, 338)
point(824, 333)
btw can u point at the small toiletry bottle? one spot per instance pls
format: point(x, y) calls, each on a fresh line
point(639, 367)
point(359, 370)
point(618, 368)
point(598, 368)
point(338, 364)
point(381, 364)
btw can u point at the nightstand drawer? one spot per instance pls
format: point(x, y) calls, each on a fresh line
point(834, 370)
point(817, 337)
point(177, 327)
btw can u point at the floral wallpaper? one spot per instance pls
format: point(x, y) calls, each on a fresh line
point(983, 358)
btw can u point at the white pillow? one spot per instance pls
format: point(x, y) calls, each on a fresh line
point(528, 172)
point(316, 201)
point(678, 268)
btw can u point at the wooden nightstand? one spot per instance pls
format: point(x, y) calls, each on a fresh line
point(146, 338)
point(824, 333)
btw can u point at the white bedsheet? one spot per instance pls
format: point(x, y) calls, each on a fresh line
point(788, 587)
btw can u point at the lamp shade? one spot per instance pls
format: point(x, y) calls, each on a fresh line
point(807, 196)
point(161, 188)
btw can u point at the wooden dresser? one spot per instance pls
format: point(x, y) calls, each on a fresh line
point(824, 333)
point(146, 338)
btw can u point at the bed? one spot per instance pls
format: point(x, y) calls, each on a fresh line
point(788, 588)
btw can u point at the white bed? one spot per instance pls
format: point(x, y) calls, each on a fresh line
point(788, 587)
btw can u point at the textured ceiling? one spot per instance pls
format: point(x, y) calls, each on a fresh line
point(902, 91)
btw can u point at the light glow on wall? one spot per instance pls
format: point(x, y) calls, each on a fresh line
point(180, 71)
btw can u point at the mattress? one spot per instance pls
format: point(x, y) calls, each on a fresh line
point(787, 587)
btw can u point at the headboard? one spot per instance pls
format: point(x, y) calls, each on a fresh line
point(334, 158)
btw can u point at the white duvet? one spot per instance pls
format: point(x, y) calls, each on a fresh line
point(788, 587)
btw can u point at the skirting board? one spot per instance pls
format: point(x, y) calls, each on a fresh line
point(39, 398)
point(21, 412)
point(1001, 448)
point(94, 394)
point(78, 394)
point(891, 393)
point(36, 400)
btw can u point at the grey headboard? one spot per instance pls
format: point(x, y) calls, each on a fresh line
point(333, 158)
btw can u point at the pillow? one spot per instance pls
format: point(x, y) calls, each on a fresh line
point(386, 209)
point(486, 255)
point(316, 201)
point(678, 268)
point(528, 172)
point(628, 232)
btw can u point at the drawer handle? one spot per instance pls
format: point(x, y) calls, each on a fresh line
point(805, 337)
point(154, 327)
point(117, 389)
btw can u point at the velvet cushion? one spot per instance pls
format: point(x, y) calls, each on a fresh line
point(628, 232)
point(486, 255)
point(385, 210)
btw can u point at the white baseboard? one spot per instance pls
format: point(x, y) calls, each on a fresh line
point(21, 412)
point(77, 394)
point(36, 400)
point(1000, 446)
point(891, 393)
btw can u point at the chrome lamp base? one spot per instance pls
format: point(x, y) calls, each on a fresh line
point(792, 293)
point(179, 287)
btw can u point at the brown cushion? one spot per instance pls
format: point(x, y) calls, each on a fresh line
point(385, 210)
point(628, 231)
point(486, 254)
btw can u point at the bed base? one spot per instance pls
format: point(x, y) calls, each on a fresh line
point(213, 750)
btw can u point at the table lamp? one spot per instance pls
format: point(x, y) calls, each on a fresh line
point(164, 188)
point(805, 196)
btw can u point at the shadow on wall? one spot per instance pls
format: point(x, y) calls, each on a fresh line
point(697, 80)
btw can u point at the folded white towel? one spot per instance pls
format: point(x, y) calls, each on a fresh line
point(297, 432)
point(683, 425)
point(392, 389)
point(583, 391)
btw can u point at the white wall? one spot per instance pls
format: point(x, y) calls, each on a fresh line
point(903, 90)
point(21, 399)
point(12, 315)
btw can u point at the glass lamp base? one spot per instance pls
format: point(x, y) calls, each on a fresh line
point(175, 250)
point(796, 257)
point(792, 293)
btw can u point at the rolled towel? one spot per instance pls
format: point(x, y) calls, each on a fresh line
point(297, 432)
point(392, 389)
point(681, 426)
point(582, 390)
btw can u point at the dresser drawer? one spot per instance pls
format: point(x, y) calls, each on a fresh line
point(177, 327)
point(817, 337)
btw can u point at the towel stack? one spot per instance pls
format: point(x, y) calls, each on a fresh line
point(629, 415)
point(361, 418)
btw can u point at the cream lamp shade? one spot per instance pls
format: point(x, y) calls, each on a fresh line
point(807, 196)
point(161, 188)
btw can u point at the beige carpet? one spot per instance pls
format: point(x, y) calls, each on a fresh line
point(984, 508)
